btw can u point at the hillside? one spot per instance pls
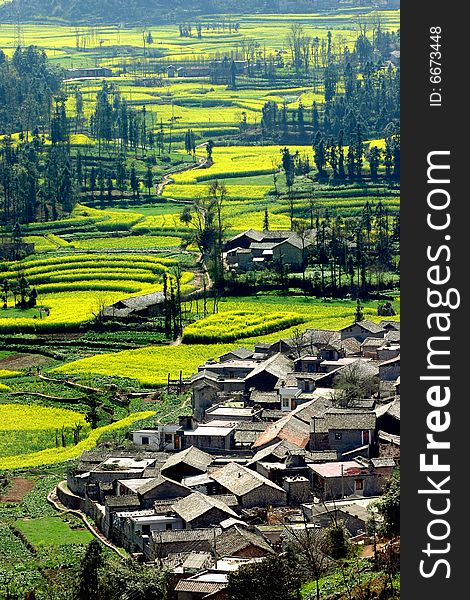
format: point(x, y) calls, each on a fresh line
point(149, 11)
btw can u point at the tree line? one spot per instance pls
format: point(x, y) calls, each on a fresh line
point(358, 92)
point(27, 85)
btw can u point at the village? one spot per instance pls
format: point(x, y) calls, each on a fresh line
point(283, 438)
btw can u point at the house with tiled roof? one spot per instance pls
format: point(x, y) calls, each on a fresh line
point(250, 488)
point(344, 430)
point(257, 249)
point(150, 490)
point(341, 479)
point(164, 543)
point(238, 541)
point(198, 511)
point(294, 427)
point(360, 330)
point(190, 461)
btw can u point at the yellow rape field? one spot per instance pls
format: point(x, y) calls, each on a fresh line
point(26, 417)
point(150, 366)
point(73, 288)
point(57, 455)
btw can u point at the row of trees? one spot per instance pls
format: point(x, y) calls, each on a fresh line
point(36, 181)
point(370, 103)
point(23, 295)
point(333, 160)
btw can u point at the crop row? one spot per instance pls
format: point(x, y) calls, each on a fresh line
point(233, 325)
point(127, 286)
point(104, 273)
point(124, 260)
point(126, 243)
point(235, 174)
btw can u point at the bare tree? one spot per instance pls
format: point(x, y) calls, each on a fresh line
point(354, 383)
point(309, 543)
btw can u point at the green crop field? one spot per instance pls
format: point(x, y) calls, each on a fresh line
point(52, 531)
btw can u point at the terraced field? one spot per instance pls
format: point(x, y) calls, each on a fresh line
point(72, 287)
point(25, 429)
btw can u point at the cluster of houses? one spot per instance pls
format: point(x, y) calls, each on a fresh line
point(272, 445)
point(254, 249)
point(219, 71)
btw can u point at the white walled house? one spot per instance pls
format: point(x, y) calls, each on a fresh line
point(164, 438)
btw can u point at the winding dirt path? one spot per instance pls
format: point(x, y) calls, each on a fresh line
point(201, 163)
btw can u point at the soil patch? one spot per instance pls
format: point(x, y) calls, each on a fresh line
point(17, 362)
point(18, 488)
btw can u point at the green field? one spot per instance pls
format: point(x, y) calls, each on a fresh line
point(52, 531)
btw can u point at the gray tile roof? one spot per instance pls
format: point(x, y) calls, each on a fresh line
point(237, 538)
point(241, 353)
point(370, 326)
point(197, 504)
point(240, 480)
point(392, 336)
point(193, 586)
point(340, 418)
point(277, 365)
point(185, 536)
point(192, 457)
point(129, 500)
point(278, 451)
point(260, 397)
point(156, 482)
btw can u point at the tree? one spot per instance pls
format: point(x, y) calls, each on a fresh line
point(266, 220)
point(186, 216)
point(134, 181)
point(88, 577)
point(109, 187)
point(320, 154)
point(274, 578)
point(354, 383)
point(121, 175)
point(389, 506)
point(374, 162)
point(336, 540)
point(217, 195)
point(131, 580)
point(209, 148)
point(149, 180)
point(359, 315)
point(5, 291)
point(23, 287)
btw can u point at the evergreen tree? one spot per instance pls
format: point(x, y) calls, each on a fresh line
point(88, 578)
